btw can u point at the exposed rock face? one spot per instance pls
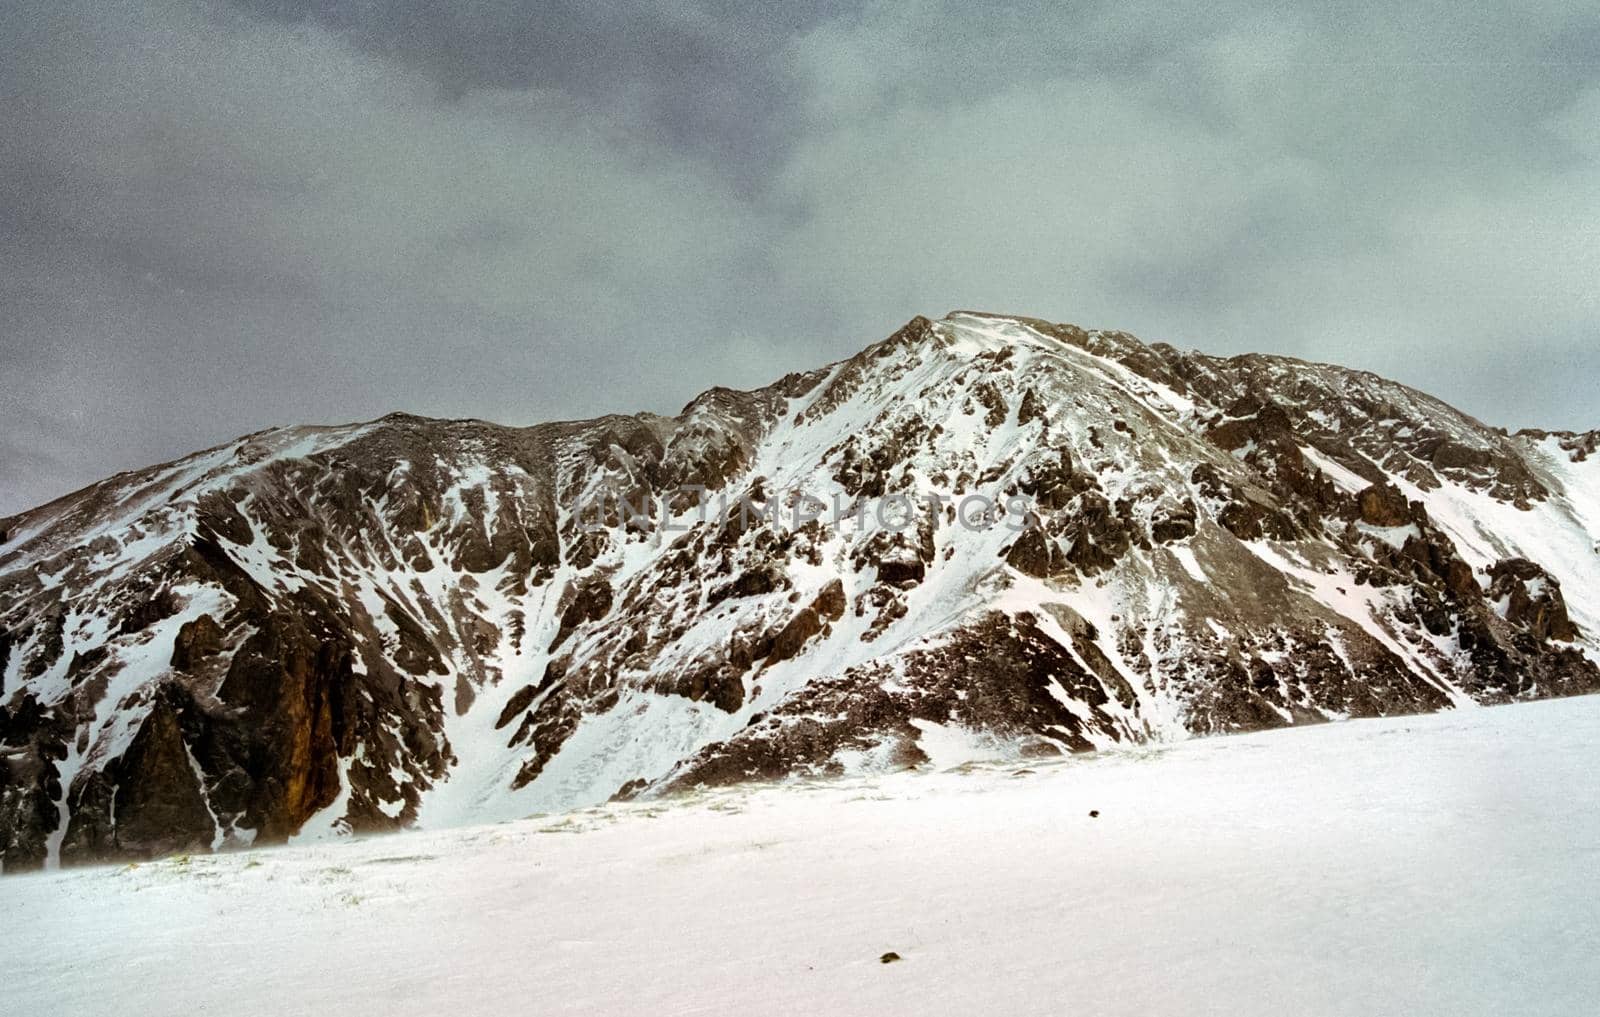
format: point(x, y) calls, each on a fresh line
point(1383, 505)
point(1532, 600)
point(828, 607)
point(148, 802)
point(414, 621)
point(196, 641)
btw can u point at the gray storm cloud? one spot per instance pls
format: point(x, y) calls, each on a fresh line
point(215, 218)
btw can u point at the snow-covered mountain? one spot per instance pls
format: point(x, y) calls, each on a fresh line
point(413, 622)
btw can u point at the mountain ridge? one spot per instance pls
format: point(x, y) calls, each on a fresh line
point(403, 622)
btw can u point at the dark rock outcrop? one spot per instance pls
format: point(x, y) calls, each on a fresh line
point(1532, 599)
point(196, 641)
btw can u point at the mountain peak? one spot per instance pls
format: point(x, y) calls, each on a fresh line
point(421, 622)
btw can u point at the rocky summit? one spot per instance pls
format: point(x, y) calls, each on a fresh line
point(415, 622)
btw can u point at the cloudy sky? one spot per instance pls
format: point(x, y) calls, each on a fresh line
point(219, 217)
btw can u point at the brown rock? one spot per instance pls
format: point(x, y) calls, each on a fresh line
point(901, 570)
point(1175, 524)
point(520, 701)
point(196, 640)
point(1460, 580)
point(810, 620)
point(1533, 599)
point(1383, 505)
point(159, 805)
point(590, 602)
point(1034, 554)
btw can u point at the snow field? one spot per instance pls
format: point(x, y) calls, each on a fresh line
point(1419, 865)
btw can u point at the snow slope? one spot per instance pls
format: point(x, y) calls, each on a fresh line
point(1441, 864)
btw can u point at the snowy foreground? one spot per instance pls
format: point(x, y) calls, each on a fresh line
point(1447, 864)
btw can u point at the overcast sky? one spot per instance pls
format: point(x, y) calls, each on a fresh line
point(220, 217)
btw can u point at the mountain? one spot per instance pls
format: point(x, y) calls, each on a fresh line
point(425, 622)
